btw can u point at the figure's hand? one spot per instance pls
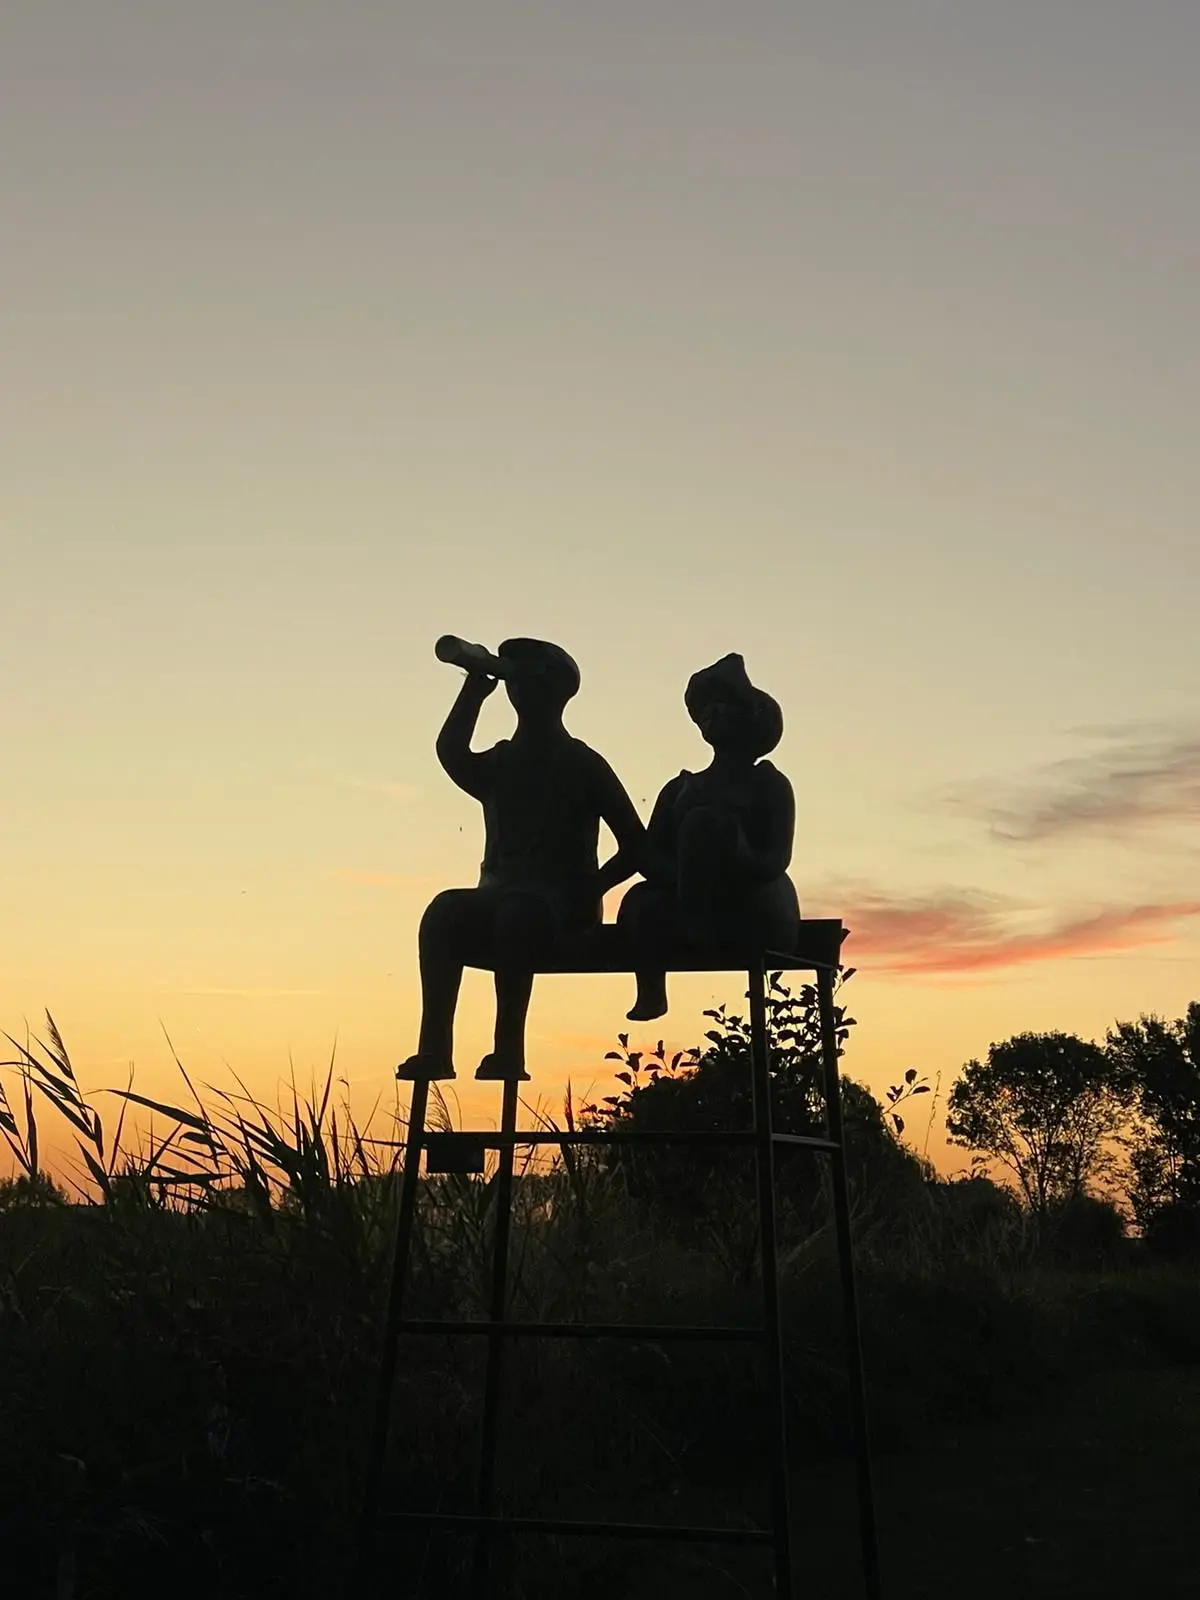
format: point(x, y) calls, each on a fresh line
point(480, 684)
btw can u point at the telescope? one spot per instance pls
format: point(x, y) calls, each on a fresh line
point(458, 652)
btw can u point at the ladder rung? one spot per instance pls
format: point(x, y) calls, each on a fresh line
point(805, 1139)
point(502, 1141)
point(616, 1530)
point(584, 1330)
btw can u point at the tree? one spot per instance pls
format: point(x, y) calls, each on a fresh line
point(1048, 1107)
point(1161, 1062)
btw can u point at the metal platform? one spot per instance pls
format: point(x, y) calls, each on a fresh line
point(606, 949)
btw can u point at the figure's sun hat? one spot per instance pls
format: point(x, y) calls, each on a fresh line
point(727, 679)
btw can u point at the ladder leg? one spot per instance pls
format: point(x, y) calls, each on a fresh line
point(772, 1318)
point(377, 1449)
point(489, 1433)
point(853, 1327)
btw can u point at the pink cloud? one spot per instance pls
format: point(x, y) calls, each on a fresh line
point(952, 934)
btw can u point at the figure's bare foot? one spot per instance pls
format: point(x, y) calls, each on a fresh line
point(643, 1011)
point(501, 1069)
point(651, 1001)
point(424, 1069)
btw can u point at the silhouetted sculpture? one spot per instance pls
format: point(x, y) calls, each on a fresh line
point(544, 795)
point(719, 842)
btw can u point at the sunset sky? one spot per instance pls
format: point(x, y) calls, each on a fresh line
point(858, 338)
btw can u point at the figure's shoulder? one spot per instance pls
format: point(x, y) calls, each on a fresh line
point(769, 776)
point(585, 759)
point(676, 785)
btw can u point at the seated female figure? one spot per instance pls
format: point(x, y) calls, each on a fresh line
point(718, 844)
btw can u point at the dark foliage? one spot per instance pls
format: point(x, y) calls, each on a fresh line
point(697, 1186)
point(1160, 1061)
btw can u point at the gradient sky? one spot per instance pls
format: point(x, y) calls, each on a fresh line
point(859, 338)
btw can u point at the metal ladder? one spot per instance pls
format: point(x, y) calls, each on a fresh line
point(497, 1329)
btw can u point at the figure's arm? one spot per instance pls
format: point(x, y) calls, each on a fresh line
point(660, 856)
point(617, 811)
point(771, 856)
point(454, 751)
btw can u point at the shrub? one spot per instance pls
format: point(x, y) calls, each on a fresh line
point(1172, 1234)
point(1085, 1232)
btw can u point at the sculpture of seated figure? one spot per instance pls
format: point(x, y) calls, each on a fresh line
point(719, 841)
point(544, 795)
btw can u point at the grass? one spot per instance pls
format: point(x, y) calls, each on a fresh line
point(187, 1358)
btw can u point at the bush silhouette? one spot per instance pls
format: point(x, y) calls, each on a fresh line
point(710, 1090)
point(1085, 1232)
point(1173, 1234)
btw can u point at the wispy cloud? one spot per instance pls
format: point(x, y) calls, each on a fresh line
point(1138, 779)
point(963, 933)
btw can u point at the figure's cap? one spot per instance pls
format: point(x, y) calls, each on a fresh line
point(728, 678)
point(538, 657)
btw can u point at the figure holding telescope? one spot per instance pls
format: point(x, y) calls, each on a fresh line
point(544, 795)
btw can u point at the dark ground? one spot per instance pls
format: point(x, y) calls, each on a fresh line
point(1100, 1497)
point(1097, 1497)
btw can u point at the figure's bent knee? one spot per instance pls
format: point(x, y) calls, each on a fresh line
point(636, 902)
point(446, 913)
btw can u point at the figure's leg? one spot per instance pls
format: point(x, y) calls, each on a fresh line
point(452, 924)
point(705, 847)
point(524, 929)
point(646, 912)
